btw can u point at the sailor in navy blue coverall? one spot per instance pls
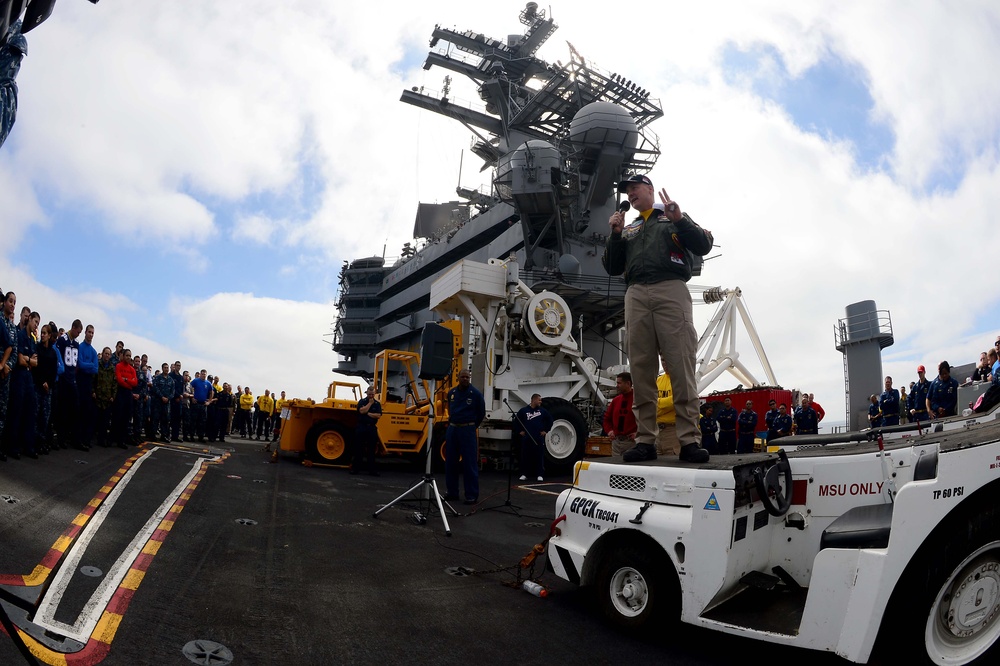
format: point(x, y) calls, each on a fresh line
point(466, 410)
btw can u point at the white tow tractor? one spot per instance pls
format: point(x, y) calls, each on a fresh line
point(829, 546)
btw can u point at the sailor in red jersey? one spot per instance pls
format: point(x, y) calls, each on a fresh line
point(127, 380)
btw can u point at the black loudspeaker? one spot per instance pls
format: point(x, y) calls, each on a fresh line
point(437, 351)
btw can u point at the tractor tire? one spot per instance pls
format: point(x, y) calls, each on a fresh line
point(633, 592)
point(328, 442)
point(948, 611)
point(565, 442)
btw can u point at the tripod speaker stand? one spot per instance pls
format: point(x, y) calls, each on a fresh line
point(436, 358)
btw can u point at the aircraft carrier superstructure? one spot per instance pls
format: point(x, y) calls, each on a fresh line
point(557, 138)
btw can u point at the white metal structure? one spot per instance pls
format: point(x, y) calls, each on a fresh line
point(827, 547)
point(520, 343)
point(720, 334)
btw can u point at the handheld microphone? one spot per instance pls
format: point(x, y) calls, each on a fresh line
point(624, 206)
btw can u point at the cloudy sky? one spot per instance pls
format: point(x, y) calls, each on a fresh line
point(190, 176)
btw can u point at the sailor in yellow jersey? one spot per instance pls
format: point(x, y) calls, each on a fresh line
point(279, 404)
point(246, 404)
point(265, 405)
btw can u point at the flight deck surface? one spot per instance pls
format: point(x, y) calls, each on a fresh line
point(126, 556)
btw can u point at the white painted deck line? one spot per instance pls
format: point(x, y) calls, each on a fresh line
point(92, 610)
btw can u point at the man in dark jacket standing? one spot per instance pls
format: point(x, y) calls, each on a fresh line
point(532, 423)
point(163, 395)
point(727, 417)
point(175, 402)
point(466, 410)
point(888, 404)
point(369, 412)
point(917, 400)
point(748, 429)
point(651, 252)
point(942, 395)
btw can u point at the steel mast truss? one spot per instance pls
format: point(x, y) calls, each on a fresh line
point(717, 350)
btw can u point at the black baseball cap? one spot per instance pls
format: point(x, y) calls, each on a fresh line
point(637, 178)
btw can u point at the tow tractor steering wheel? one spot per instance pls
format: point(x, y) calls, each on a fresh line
point(767, 483)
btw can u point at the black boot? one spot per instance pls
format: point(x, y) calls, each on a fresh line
point(639, 453)
point(693, 453)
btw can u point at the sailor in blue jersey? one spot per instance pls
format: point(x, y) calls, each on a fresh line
point(163, 394)
point(806, 421)
point(466, 410)
point(86, 373)
point(942, 396)
point(44, 376)
point(531, 423)
point(708, 427)
point(888, 404)
point(917, 400)
point(8, 348)
point(748, 429)
point(874, 413)
point(772, 412)
point(782, 423)
point(726, 418)
point(140, 396)
point(175, 402)
point(23, 402)
point(68, 397)
point(202, 392)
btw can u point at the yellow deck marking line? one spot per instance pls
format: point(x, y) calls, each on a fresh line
point(42, 570)
point(98, 646)
point(87, 623)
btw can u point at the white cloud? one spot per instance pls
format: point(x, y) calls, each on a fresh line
point(256, 228)
point(265, 343)
point(106, 310)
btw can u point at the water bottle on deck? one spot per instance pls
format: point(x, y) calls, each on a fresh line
point(534, 588)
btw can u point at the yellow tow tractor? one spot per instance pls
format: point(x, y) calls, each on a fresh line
point(323, 433)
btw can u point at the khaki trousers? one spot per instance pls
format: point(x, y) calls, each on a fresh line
point(660, 329)
point(666, 440)
point(620, 444)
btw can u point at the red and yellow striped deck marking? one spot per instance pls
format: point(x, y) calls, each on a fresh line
point(99, 645)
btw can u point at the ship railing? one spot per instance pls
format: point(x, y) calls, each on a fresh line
point(871, 325)
point(583, 281)
point(453, 101)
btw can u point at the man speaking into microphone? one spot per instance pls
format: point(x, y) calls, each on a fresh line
point(652, 253)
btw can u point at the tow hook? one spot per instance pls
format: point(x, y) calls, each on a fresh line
point(638, 517)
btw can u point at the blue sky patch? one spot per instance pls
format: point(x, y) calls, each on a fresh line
point(412, 59)
point(831, 98)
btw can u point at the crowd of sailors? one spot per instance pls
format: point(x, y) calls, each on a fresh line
point(930, 399)
point(58, 392)
point(724, 430)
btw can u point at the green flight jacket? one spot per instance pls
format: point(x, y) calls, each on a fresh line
point(656, 249)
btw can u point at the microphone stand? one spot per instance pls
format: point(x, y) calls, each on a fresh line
point(514, 509)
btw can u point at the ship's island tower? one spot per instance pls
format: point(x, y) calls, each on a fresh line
point(557, 138)
point(861, 336)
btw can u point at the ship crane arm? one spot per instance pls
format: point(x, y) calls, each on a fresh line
point(717, 350)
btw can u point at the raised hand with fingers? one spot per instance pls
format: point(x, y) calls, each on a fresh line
point(673, 212)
